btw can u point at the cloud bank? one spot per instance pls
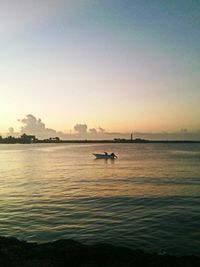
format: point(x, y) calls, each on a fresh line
point(33, 126)
point(81, 128)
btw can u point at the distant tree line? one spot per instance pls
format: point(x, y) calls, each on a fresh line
point(29, 139)
point(26, 139)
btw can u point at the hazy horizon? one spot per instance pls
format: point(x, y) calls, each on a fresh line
point(123, 66)
point(35, 126)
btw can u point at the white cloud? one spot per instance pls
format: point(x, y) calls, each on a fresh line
point(81, 128)
point(101, 130)
point(93, 130)
point(32, 125)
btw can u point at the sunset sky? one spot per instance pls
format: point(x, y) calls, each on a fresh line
point(124, 65)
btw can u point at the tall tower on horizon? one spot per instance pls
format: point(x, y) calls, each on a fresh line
point(131, 136)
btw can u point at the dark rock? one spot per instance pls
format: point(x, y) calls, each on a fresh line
point(14, 253)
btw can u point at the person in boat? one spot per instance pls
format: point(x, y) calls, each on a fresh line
point(113, 155)
point(106, 153)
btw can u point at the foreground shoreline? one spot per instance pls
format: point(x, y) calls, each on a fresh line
point(14, 253)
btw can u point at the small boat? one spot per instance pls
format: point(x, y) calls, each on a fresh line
point(105, 156)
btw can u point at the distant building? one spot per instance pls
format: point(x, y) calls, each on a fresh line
point(28, 138)
point(54, 139)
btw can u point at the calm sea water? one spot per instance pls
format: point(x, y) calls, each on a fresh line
point(149, 198)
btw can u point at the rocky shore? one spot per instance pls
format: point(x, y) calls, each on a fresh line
point(14, 253)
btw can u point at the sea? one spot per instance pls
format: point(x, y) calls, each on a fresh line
point(148, 198)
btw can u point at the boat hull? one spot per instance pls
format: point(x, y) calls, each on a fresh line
point(103, 156)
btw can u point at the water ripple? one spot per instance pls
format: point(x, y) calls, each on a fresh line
point(148, 199)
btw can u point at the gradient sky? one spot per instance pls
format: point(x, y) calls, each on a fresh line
point(125, 65)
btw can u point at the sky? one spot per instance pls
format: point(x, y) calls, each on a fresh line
point(120, 65)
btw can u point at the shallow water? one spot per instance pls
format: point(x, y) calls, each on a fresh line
point(149, 198)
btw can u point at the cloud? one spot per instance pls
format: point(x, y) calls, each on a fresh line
point(35, 126)
point(93, 130)
point(32, 125)
point(81, 128)
point(183, 134)
point(184, 131)
point(101, 130)
point(92, 133)
point(11, 131)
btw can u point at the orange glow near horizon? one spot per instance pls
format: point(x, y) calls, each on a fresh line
point(73, 63)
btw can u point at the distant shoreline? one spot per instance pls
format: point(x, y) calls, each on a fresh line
point(32, 139)
point(100, 142)
point(123, 142)
point(15, 253)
